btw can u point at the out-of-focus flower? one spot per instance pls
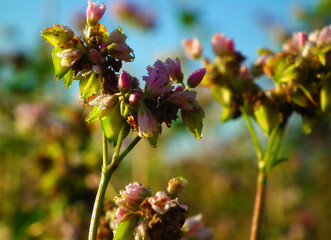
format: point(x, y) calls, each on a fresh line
point(243, 71)
point(161, 202)
point(196, 77)
point(157, 81)
point(296, 43)
point(147, 124)
point(186, 100)
point(94, 12)
point(175, 70)
point(132, 197)
point(133, 14)
point(194, 229)
point(325, 35)
point(69, 57)
point(192, 48)
point(221, 44)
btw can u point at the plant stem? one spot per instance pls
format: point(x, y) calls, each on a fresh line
point(255, 139)
point(107, 172)
point(259, 205)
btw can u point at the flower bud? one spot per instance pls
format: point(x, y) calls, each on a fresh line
point(147, 124)
point(69, 57)
point(134, 98)
point(175, 186)
point(192, 48)
point(94, 13)
point(133, 195)
point(175, 70)
point(196, 77)
point(105, 101)
point(120, 213)
point(267, 115)
point(221, 44)
point(243, 72)
point(193, 229)
point(124, 81)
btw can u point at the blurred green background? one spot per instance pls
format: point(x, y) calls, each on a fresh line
point(50, 158)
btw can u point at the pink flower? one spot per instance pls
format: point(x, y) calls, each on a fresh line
point(95, 56)
point(196, 77)
point(325, 35)
point(243, 71)
point(192, 48)
point(194, 229)
point(161, 202)
point(185, 99)
point(105, 101)
point(94, 13)
point(120, 213)
point(127, 82)
point(134, 98)
point(69, 57)
point(147, 124)
point(297, 42)
point(133, 195)
point(157, 81)
point(221, 44)
point(175, 70)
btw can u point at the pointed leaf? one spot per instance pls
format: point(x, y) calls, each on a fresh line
point(325, 96)
point(94, 114)
point(193, 122)
point(68, 79)
point(125, 229)
point(111, 126)
point(57, 34)
point(153, 140)
point(278, 161)
point(60, 71)
point(89, 86)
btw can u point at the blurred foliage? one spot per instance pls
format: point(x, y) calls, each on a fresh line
point(50, 165)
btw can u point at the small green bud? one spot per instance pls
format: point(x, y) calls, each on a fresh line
point(325, 96)
point(175, 186)
point(267, 115)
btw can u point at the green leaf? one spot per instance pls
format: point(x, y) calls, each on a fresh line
point(89, 86)
point(229, 113)
point(111, 126)
point(278, 161)
point(125, 229)
point(68, 79)
point(193, 122)
point(154, 139)
point(325, 96)
point(57, 34)
point(94, 114)
point(60, 71)
point(222, 95)
point(267, 116)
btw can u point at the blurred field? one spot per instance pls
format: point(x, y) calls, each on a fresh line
point(50, 162)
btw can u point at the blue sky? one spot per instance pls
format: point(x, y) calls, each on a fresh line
point(236, 18)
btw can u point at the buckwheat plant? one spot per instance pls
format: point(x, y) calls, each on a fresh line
point(95, 60)
point(302, 84)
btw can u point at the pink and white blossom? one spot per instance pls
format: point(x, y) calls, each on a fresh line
point(94, 13)
point(297, 42)
point(221, 44)
point(192, 48)
point(147, 124)
point(161, 202)
point(69, 57)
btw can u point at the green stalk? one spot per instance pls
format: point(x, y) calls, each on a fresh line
point(255, 139)
point(107, 172)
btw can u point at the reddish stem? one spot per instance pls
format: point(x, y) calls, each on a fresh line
point(259, 206)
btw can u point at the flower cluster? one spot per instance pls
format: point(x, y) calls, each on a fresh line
point(151, 217)
point(300, 73)
point(95, 60)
